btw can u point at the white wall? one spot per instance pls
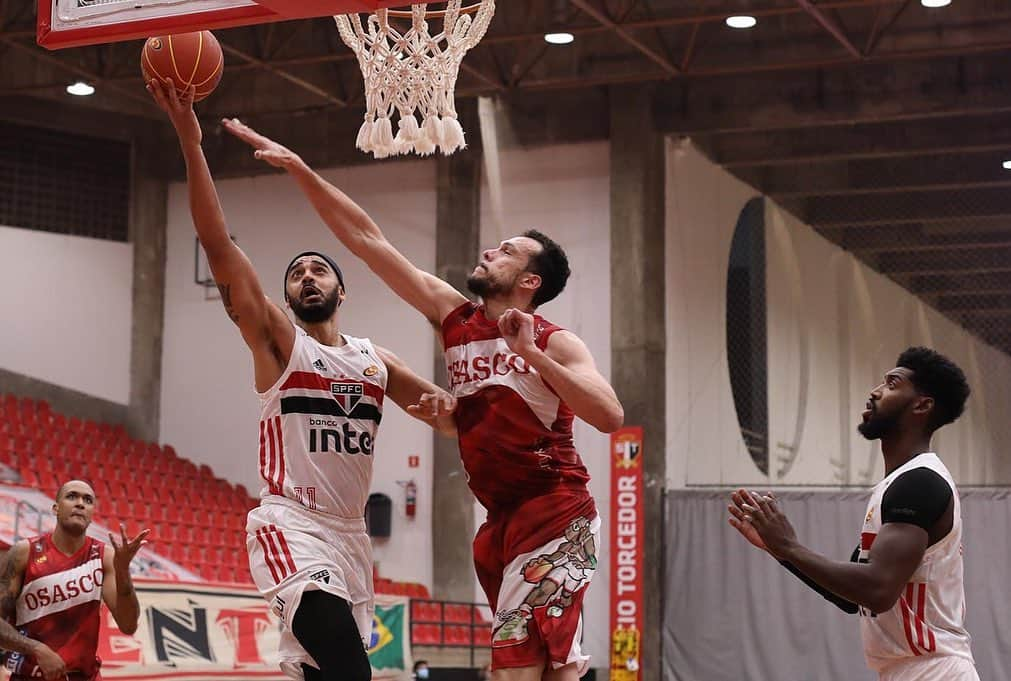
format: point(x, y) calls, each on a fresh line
point(834, 326)
point(209, 408)
point(564, 191)
point(66, 310)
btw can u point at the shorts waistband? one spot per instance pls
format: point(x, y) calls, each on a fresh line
point(333, 522)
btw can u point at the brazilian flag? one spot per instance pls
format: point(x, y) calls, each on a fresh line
point(389, 638)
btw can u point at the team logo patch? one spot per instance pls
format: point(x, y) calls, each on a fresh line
point(372, 371)
point(348, 395)
point(41, 559)
point(321, 576)
point(155, 43)
point(319, 366)
point(626, 450)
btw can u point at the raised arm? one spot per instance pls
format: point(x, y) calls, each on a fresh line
point(421, 399)
point(876, 584)
point(568, 367)
point(12, 574)
point(429, 295)
point(265, 328)
point(117, 585)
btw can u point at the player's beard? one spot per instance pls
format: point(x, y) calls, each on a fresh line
point(878, 425)
point(485, 287)
point(316, 312)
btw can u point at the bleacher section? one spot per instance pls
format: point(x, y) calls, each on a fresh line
point(197, 519)
point(435, 623)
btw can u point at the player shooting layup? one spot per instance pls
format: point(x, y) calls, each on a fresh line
point(321, 395)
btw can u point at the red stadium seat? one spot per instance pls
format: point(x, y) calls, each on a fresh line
point(457, 612)
point(458, 635)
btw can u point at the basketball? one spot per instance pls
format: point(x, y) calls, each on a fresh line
point(187, 59)
point(536, 569)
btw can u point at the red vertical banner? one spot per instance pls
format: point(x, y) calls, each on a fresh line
point(627, 545)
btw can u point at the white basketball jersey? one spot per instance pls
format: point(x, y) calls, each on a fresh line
point(929, 617)
point(318, 426)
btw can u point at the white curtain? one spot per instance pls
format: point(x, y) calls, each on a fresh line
point(731, 613)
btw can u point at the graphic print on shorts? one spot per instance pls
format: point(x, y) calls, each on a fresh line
point(556, 577)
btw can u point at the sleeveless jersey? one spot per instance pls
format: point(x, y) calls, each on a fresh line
point(929, 617)
point(318, 426)
point(515, 432)
point(60, 603)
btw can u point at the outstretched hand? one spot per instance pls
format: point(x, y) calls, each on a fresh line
point(267, 149)
point(178, 107)
point(762, 514)
point(125, 551)
point(433, 405)
point(740, 521)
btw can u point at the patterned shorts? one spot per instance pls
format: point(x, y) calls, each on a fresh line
point(537, 595)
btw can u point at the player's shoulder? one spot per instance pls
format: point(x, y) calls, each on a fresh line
point(920, 480)
point(460, 314)
point(21, 548)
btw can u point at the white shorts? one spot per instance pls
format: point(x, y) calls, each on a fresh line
point(293, 550)
point(934, 668)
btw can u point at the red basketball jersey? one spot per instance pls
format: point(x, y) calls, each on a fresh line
point(515, 432)
point(59, 606)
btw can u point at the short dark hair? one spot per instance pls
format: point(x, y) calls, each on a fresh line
point(551, 265)
point(936, 376)
point(63, 487)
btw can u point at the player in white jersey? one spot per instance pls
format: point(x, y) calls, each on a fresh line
point(321, 395)
point(905, 577)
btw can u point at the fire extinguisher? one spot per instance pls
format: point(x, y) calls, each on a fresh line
point(410, 498)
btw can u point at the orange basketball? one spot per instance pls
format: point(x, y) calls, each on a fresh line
point(187, 58)
point(536, 569)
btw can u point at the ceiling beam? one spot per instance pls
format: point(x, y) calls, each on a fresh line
point(884, 140)
point(846, 178)
point(147, 106)
point(831, 26)
point(860, 93)
point(282, 73)
point(856, 211)
point(913, 240)
point(626, 35)
point(974, 302)
point(940, 284)
point(983, 261)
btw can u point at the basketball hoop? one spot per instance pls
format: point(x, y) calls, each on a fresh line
point(412, 72)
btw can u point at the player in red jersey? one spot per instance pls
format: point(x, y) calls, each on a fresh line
point(51, 588)
point(519, 381)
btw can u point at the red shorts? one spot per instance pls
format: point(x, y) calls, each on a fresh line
point(534, 565)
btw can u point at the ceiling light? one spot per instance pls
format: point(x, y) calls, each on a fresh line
point(1006, 165)
point(81, 89)
point(559, 38)
point(743, 21)
point(935, 3)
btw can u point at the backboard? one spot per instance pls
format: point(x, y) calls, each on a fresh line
point(70, 23)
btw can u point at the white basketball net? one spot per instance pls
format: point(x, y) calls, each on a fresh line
point(413, 74)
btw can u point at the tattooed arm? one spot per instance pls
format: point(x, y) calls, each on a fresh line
point(12, 573)
point(264, 326)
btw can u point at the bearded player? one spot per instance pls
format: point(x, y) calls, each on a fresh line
point(520, 380)
point(51, 590)
point(321, 395)
point(905, 577)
